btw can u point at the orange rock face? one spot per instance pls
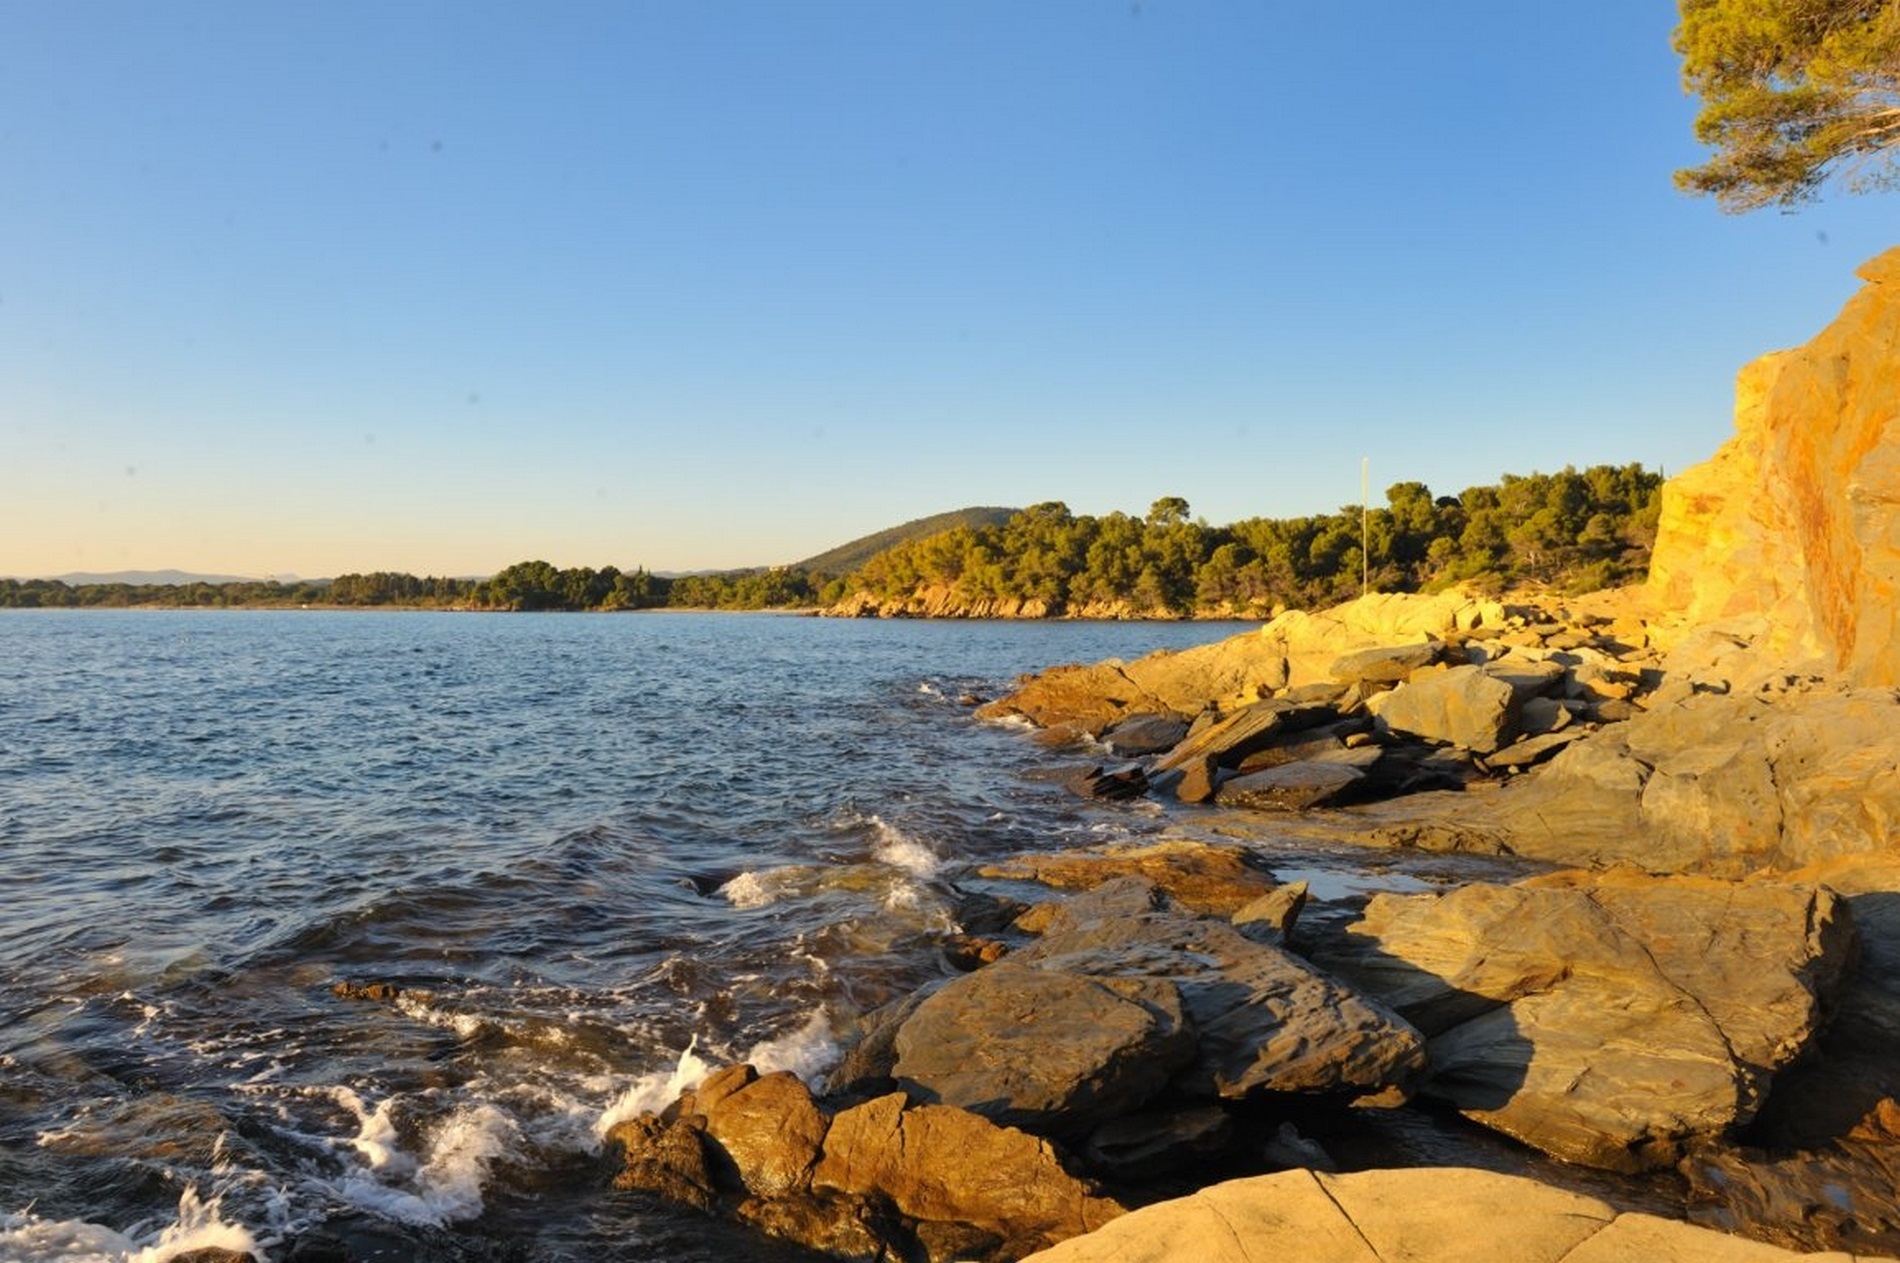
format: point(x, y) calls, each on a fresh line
point(1796, 520)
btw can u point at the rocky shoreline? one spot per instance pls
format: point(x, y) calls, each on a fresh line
point(1703, 980)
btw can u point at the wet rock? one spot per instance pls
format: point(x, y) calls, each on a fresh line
point(381, 992)
point(1606, 1019)
point(882, 1179)
point(667, 1159)
point(1141, 735)
point(214, 1254)
point(1117, 786)
point(1148, 1145)
point(1215, 879)
point(1837, 1198)
point(1051, 1052)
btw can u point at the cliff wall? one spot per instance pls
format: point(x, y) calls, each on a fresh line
point(1793, 526)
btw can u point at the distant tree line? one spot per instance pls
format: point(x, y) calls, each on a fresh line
point(1573, 531)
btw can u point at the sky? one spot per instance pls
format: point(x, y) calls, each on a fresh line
point(310, 288)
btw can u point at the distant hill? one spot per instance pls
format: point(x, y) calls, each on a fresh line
point(148, 578)
point(848, 557)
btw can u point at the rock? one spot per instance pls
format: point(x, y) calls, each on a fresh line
point(1078, 700)
point(1541, 715)
point(382, 992)
point(1051, 1052)
point(1531, 750)
point(883, 1179)
point(1384, 664)
point(939, 1165)
point(1270, 918)
point(1291, 786)
point(667, 1159)
point(1431, 1215)
point(1235, 736)
point(1606, 1019)
point(1714, 783)
point(1140, 735)
point(1264, 1019)
point(1463, 706)
point(769, 1127)
point(1793, 518)
point(1117, 786)
point(1839, 1198)
point(1203, 877)
point(1145, 1146)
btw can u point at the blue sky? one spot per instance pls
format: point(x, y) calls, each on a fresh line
point(318, 287)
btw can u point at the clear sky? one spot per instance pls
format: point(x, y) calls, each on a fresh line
point(318, 287)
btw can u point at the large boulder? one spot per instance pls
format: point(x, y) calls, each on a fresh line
point(1793, 520)
point(1607, 1019)
point(1463, 706)
point(1050, 1052)
point(1265, 1020)
point(1429, 1215)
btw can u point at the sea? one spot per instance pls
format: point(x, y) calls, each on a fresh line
point(586, 857)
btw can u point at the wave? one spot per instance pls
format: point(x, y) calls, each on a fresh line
point(26, 1238)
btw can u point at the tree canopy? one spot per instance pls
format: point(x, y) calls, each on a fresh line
point(1794, 93)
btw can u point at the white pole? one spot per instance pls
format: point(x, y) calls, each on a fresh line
point(1365, 527)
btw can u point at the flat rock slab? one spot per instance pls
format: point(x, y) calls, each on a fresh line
point(1217, 880)
point(1292, 786)
point(1607, 1019)
point(1446, 1215)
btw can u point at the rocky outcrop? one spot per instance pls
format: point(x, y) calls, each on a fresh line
point(883, 1179)
point(1608, 1019)
point(1793, 773)
point(1127, 998)
point(1429, 1215)
point(1791, 526)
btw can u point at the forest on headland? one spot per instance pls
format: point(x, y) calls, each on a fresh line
point(1573, 531)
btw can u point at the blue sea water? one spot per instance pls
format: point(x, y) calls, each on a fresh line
point(593, 852)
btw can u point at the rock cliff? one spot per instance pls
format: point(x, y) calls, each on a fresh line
point(1794, 525)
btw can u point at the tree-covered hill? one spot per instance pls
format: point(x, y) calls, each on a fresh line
point(846, 558)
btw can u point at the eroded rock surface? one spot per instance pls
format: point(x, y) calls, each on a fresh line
point(1607, 1019)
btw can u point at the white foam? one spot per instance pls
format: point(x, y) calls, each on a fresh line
point(437, 1187)
point(652, 1092)
point(26, 1238)
point(748, 890)
point(807, 1052)
point(900, 850)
